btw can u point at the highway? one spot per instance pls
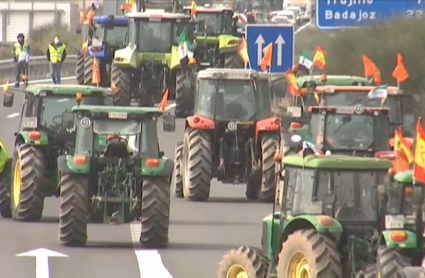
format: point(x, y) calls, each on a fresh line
point(200, 233)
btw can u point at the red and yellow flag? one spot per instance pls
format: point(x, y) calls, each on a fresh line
point(267, 57)
point(163, 103)
point(399, 73)
point(319, 58)
point(6, 86)
point(371, 70)
point(402, 147)
point(292, 86)
point(243, 51)
point(193, 8)
point(419, 165)
point(95, 72)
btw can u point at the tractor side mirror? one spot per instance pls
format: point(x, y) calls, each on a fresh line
point(8, 99)
point(67, 120)
point(169, 123)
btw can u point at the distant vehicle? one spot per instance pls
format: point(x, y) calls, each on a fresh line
point(280, 20)
point(289, 14)
point(306, 8)
point(298, 13)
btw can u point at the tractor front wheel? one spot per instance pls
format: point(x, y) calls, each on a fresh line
point(79, 69)
point(306, 253)
point(5, 181)
point(28, 184)
point(155, 218)
point(232, 61)
point(197, 160)
point(178, 184)
point(243, 262)
point(184, 98)
point(73, 210)
point(390, 263)
point(88, 69)
point(121, 79)
point(269, 146)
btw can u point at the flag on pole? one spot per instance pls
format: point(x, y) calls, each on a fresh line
point(6, 86)
point(243, 51)
point(163, 103)
point(399, 73)
point(193, 8)
point(291, 83)
point(306, 61)
point(319, 58)
point(401, 147)
point(419, 164)
point(380, 92)
point(184, 45)
point(267, 57)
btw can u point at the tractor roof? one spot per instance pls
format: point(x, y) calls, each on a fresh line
point(404, 176)
point(337, 162)
point(339, 80)
point(332, 89)
point(36, 89)
point(243, 74)
point(158, 15)
point(148, 111)
point(210, 9)
point(116, 20)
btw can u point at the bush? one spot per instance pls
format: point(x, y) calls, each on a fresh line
point(41, 36)
point(380, 43)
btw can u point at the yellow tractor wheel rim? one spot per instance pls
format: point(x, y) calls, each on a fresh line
point(17, 183)
point(298, 266)
point(237, 271)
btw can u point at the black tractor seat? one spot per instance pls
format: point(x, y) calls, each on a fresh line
point(116, 149)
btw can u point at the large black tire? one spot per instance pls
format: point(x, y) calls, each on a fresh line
point(155, 218)
point(79, 69)
point(121, 77)
point(88, 70)
point(320, 251)
point(184, 104)
point(269, 146)
point(5, 181)
point(247, 260)
point(233, 61)
point(197, 156)
point(177, 177)
point(73, 210)
point(390, 263)
point(370, 271)
point(31, 164)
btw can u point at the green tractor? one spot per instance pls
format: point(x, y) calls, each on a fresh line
point(217, 43)
point(151, 63)
point(330, 222)
point(40, 139)
point(127, 180)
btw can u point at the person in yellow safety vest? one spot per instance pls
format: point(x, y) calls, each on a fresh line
point(56, 54)
point(21, 53)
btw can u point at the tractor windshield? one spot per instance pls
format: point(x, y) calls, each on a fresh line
point(233, 100)
point(117, 127)
point(115, 36)
point(155, 36)
point(351, 98)
point(213, 22)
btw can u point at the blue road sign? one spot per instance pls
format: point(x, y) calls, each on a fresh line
point(259, 36)
point(334, 14)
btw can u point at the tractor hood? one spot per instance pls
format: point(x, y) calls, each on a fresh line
point(221, 41)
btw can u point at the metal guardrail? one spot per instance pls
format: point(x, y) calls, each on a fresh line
point(38, 68)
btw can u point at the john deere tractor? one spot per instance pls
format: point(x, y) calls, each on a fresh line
point(330, 223)
point(40, 139)
point(126, 180)
point(232, 136)
point(151, 63)
point(218, 42)
point(104, 35)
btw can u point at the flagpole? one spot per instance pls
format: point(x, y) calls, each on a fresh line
point(398, 84)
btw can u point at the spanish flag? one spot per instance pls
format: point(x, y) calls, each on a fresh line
point(401, 147)
point(193, 8)
point(243, 51)
point(292, 86)
point(419, 165)
point(319, 58)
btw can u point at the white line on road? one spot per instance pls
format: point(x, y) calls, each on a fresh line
point(13, 115)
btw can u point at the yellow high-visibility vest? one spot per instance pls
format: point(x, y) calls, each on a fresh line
point(18, 48)
point(56, 53)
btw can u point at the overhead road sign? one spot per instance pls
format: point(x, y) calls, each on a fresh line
point(259, 36)
point(335, 14)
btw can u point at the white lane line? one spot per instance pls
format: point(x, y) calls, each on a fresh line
point(13, 115)
point(303, 27)
point(149, 261)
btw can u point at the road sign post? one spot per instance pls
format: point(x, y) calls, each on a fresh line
point(282, 36)
point(335, 14)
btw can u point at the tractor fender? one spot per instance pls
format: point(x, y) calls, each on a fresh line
point(323, 224)
point(168, 167)
point(65, 165)
point(268, 124)
point(126, 57)
point(24, 137)
point(387, 239)
point(228, 44)
point(165, 168)
point(200, 122)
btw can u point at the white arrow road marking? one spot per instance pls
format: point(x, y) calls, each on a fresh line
point(259, 42)
point(42, 260)
point(149, 261)
point(280, 42)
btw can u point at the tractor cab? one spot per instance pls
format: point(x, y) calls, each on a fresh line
point(108, 34)
point(354, 130)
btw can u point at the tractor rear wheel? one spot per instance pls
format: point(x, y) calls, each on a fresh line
point(306, 253)
point(121, 78)
point(197, 162)
point(73, 210)
point(243, 261)
point(155, 218)
point(390, 263)
point(88, 70)
point(184, 102)
point(370, 271)
point(269, 146)
point(79, 68)
point(232, 61)
point(28, 183)
point(5, 181)
point(178, 184)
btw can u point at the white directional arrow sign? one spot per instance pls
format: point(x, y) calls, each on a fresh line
point(41, 260)
point(279, 42)
point(259, 42)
